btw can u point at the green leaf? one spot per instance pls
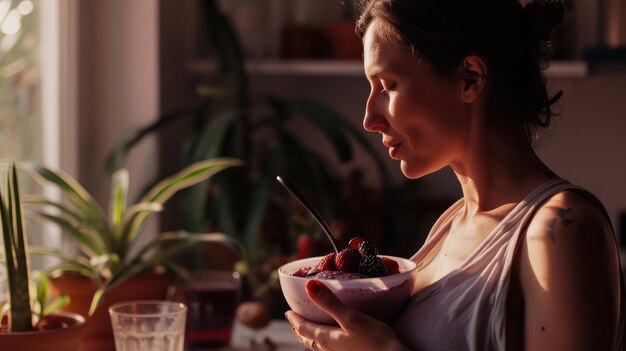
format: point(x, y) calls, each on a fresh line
point(84, 236)
point(190, 238)
point(132, 224)
point(187, 240)
point(75, 263)
point(116, 157)
point(43, 292)
point(210, 143)
point(89, 209)
point(189, 176)
point(256, 211)
point(56, 305)
point(119, 192)
point(17, 258)
point(327, 121)
point(224, 200)
point(97, 297)
point(166, 188)
point(75, 217)
point(309, 173)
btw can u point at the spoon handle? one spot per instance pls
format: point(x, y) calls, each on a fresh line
point(309, 207)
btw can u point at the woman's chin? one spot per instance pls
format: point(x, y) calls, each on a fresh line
point(412, 172)
point(408, 171)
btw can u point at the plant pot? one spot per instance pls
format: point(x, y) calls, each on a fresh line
point(65, 338)
point(98, 334)
point(343, 42)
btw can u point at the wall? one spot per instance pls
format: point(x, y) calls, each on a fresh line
point(118, 87)
point(118, 92)
point(587, 144)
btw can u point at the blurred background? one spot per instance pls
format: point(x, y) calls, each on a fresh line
point(88, 86)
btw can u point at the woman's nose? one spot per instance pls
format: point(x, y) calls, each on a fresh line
point(374, 120)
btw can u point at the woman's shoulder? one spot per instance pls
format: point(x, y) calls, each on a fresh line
point(570, 215)
point(569, 273)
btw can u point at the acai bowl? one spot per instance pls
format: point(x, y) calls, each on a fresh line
point(379, 297)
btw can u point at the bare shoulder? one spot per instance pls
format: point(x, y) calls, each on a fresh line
point(569, 235)
point(567, 216)
point(569, 274)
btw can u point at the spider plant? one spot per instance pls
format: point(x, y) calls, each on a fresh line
point(232, 121)
point(109, 245)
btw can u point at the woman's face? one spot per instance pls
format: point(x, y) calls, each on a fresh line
point(417, 111)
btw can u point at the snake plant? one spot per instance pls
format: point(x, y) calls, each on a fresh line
point(109, 246)
point(16, 254)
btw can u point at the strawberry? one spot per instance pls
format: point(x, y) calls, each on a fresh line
point(355, 242)
point(348, 260)
point(304, 245)
point(327, 263)
point(392, 265)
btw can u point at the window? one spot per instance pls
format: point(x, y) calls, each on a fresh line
point(37, 46)
point(20, 81)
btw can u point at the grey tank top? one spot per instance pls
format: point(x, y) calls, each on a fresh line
point(466, 309)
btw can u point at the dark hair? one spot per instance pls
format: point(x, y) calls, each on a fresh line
point(513, 39)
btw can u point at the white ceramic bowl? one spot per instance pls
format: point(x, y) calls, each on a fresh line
point(381, 298)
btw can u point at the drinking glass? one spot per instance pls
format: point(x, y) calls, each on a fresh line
point(212, 297)
point(148, 325)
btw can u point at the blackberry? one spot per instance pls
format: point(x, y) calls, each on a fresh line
point(367, 249)
point(372, 266)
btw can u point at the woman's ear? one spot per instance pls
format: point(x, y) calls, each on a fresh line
point(473, 74)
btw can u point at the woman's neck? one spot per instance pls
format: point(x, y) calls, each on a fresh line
point(498, 170)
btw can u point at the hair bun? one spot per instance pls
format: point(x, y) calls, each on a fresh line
point(542, 16)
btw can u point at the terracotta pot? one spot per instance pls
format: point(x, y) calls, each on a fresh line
point(66, 338)
point(302, 42)
point(98, 334)
point(343, 42)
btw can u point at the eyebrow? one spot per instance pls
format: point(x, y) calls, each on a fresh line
point(377, 70)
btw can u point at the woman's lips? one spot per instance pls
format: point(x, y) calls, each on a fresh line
point(394, 150)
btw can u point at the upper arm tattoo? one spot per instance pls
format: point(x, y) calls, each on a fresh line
point(553, 223)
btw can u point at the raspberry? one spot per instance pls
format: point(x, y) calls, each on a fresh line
point(348, 260)
point(327, 263)
point(301, 272)
point(372, 266)
point(355, 242)
point(368, 249)
point(391, 265)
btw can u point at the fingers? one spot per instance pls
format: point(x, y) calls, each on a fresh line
point(307, 331)
point(328, 302)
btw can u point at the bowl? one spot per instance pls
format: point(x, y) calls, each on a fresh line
point(381, 297)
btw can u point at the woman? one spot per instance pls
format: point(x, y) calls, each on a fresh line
point(525, 260)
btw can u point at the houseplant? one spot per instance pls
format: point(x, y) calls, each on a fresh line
point(231, 120)
point(114, 264)
point(60, 331)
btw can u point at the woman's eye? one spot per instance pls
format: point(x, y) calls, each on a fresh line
point(387, 88)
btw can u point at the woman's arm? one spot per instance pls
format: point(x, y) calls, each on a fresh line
point(356, 330)
point(569, 272)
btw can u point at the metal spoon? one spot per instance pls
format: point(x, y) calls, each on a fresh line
point(311, 210)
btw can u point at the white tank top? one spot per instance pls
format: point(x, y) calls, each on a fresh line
point(466, 309)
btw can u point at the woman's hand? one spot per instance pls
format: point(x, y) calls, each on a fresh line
point(356, 330)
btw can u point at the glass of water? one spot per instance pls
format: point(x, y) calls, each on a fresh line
point(148, 325)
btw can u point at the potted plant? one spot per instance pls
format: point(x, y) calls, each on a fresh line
point(114, 264)
point(22, 329)
point(231, 120)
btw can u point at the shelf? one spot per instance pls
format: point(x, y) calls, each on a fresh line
point(347, 68)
